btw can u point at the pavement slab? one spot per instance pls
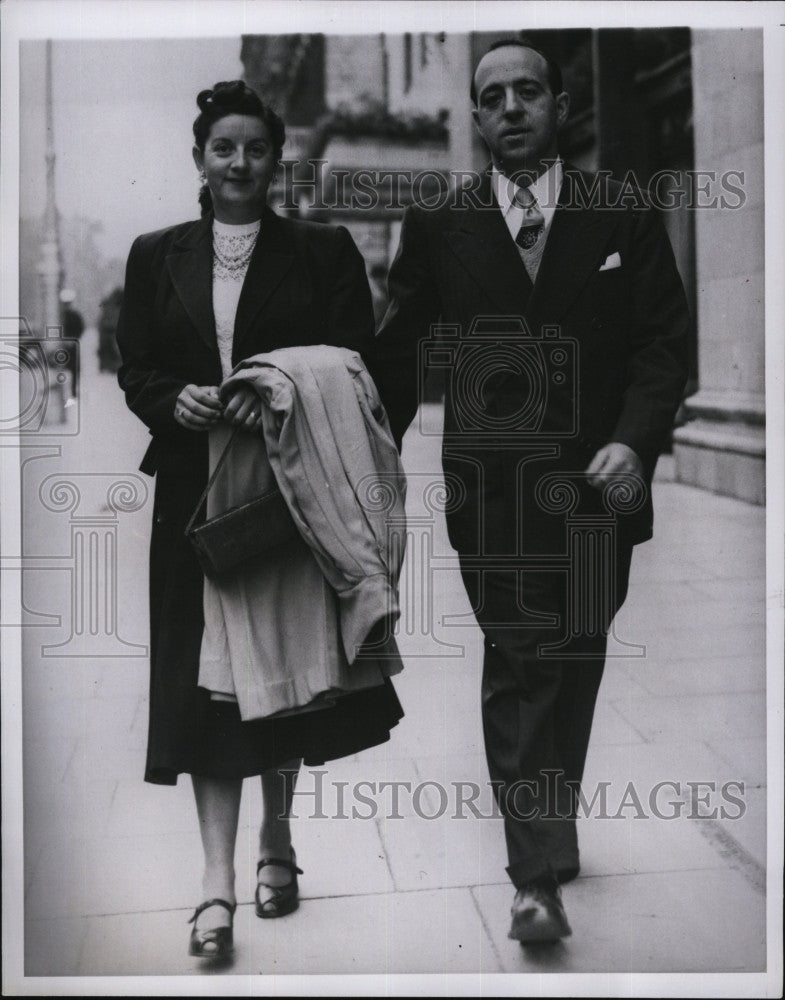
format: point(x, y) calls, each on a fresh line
point(656, 922)
point(705, 716)
point(747, 758)
point(104, 760)
point(691, 676)
point(82, 717)
point(47, 756)
point(59, 815)
point(446, 851)
point(116, 875)
point(747, 826)
point(610, 727)
point(53, 947)
point(339, 857)
point(373, 933)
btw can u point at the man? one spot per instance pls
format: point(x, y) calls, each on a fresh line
point(564, 326)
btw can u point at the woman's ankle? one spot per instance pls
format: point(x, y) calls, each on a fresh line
point(219, 885)
point(275, 840)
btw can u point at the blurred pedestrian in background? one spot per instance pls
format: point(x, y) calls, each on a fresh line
point(73, 328)
point(108, 354)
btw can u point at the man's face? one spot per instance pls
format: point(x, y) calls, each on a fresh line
point(516, 113)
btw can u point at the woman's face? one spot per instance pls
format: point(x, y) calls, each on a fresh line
point(239, 163)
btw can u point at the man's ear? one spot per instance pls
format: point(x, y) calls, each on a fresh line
point(562, 107)
point(198, 157)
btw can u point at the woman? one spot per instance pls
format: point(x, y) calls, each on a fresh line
point(200, 298)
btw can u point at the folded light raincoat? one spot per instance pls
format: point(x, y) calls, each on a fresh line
point(293, 629)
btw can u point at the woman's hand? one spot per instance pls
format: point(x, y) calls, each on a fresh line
point(198, 407)
point(244, 408)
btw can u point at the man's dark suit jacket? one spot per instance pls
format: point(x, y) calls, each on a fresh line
point(305, 284)
point(620, 379)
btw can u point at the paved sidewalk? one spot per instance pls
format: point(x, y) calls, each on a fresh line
point(112, 865)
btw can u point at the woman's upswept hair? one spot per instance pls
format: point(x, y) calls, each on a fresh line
point(233, 97)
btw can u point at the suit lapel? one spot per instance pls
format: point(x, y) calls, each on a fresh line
point(578, 236)
point(482, 243)
point(271, 259)
point(576, 241)
point(191, 271)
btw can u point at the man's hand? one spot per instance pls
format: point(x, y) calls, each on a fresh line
point(614, 460)
point(198, 407)
point(244, 408)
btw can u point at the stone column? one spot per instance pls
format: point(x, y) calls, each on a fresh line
point(722, 447)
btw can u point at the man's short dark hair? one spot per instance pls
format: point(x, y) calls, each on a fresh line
point(554, 74)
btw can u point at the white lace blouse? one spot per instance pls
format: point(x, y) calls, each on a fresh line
point(232, 249)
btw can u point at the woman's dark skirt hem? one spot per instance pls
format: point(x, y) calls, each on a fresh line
point(229, 748)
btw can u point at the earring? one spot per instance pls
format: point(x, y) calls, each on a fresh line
point(202, 177)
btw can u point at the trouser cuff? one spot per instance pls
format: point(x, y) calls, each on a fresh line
point(526, 873)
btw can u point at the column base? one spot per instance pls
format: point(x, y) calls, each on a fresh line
point(726, 457)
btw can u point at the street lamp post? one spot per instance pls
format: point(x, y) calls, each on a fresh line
point(49, 267)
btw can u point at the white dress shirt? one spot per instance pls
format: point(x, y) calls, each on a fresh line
point(545, 190)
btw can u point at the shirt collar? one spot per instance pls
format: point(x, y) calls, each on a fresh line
point(545, 189)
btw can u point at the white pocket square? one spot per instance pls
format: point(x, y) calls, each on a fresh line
point(611, 261)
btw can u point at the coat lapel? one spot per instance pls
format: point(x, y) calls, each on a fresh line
point(578, 236)
point(271, 259)
point(191, 271)
point(482, 243)
point(576, 241)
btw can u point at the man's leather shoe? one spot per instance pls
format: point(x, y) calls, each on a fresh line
point(538, 915)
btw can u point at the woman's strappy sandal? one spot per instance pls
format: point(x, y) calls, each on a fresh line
point(283, 899)
point(219, 939)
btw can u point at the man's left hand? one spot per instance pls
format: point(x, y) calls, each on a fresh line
point(613, 460)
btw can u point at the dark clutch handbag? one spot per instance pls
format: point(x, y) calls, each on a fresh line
point(225, 542)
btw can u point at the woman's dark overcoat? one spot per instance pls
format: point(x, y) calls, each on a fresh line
point(306, 284)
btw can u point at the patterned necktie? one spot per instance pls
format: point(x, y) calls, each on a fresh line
point(533, 221)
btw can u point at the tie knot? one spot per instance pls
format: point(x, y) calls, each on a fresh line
point(524, 198)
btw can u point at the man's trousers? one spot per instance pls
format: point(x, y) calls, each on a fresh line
point(538, 702)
